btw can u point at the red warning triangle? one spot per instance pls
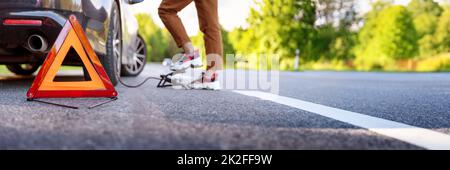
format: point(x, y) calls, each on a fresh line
point(71, 36)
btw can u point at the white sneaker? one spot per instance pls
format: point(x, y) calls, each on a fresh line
point(207, 83)
point(181, 81)
point(185, 61)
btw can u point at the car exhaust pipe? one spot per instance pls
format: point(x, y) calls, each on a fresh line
point(37, 43)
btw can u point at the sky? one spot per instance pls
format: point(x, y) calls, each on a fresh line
point(233, 13)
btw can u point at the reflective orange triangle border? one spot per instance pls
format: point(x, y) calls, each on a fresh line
point(71, 36)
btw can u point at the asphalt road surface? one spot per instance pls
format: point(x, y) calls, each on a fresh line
point(151, 118)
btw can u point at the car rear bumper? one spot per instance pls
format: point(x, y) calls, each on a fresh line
point(93, 16)
point(13, 38)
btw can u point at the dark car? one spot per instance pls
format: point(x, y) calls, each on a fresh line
point(28, 29)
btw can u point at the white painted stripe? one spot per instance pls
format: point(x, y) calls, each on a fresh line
point(422, 137)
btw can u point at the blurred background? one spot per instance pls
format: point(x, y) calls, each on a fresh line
point(363, 35)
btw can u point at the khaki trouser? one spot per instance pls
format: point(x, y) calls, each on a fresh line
point(207, 11)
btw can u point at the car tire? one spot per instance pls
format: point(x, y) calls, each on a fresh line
point(23, 69)
point(139, 60)
point(112, 61)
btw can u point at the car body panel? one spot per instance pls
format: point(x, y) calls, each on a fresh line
point(93, 15)
point(129, 31)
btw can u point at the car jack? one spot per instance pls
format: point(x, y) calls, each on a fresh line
point(166, 81)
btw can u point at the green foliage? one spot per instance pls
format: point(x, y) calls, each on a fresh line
point(392, 37)
point(172, 47)
point(160, 43)
point(335, 37)
point(371, 22)
point(443, 32)
point(397, 36)
point(438, 63)
point(228, 48)
point(199, 42)
point(389, 36)
point(428, 46)
point(342, 46)
point(323, 43)
point(426, 14)
point(243, 41)
point(277, 27)
point(153, 35)
point(333, 43)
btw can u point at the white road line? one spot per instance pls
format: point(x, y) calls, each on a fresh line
point(422, 137)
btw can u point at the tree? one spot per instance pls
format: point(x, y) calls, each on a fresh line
point(157, 43)
point(278, 27)
point(228, 48)
point(366, 58)
point(172, 47)
point(338, 13)
point(398, 35)
point(390, 35)
point(366, 33)
point(335, 38)
point(443, 32)
point(426, 14)
point(244, 41)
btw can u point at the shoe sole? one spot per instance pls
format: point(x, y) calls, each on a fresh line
point(207, 86)
point(196, 63)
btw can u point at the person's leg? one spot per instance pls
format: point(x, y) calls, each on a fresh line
point(208, 16)
point(168, 12)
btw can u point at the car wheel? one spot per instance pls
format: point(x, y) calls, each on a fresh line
point(111, 62)
point(139, 59)
point(23, 69)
